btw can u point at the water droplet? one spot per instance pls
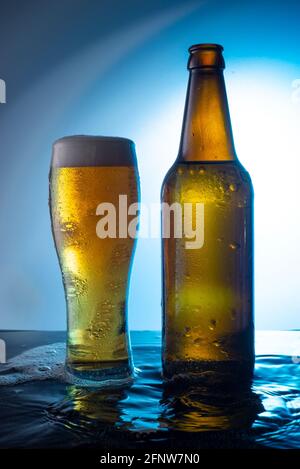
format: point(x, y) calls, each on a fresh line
point(68, 226)
point(76, 286)
point(180, 171)
point(192, 172)
point(201, 171)
point(220, 240)
point(216, 343)
point(212, 324)
point(120, 254)
point(233, 187)
point(234, 246)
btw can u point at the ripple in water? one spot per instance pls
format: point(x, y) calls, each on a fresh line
point(57, 413)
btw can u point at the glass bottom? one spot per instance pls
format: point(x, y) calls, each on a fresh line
point(100, 374)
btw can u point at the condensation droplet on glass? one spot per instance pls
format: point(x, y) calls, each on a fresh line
point(120, 254)
point(234, 246)
point(76, 286)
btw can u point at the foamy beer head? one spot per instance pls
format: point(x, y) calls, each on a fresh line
point(85, 150)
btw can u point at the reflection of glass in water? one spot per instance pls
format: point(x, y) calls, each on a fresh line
point(101, 407)
point(85, 172)
point(92, 415)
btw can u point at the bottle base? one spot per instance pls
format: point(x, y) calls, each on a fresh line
point(209, 373)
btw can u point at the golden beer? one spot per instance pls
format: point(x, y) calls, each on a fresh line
point(86, 172)
point(208, 291)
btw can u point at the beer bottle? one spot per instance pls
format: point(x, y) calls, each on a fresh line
point(207, 281)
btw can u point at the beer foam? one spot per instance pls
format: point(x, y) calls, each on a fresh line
point(47, 362)
point(37, 364)
point(88, 150)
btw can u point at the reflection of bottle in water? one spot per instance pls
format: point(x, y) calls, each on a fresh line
point(195, 408)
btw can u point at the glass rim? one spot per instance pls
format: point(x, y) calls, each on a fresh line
point(93, 150)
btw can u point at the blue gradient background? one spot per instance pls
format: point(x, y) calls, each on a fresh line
point(119, 68)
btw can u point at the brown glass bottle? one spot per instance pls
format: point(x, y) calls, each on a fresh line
point(208, 290)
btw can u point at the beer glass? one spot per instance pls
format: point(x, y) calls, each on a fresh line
point(93, 181)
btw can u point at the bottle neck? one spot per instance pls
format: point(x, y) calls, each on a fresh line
point(206, 133)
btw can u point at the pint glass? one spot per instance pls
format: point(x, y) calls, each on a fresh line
point(88, 178)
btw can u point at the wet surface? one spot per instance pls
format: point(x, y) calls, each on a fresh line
point(39, 408)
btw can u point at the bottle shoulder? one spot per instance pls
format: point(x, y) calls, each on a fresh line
point(203, 174)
